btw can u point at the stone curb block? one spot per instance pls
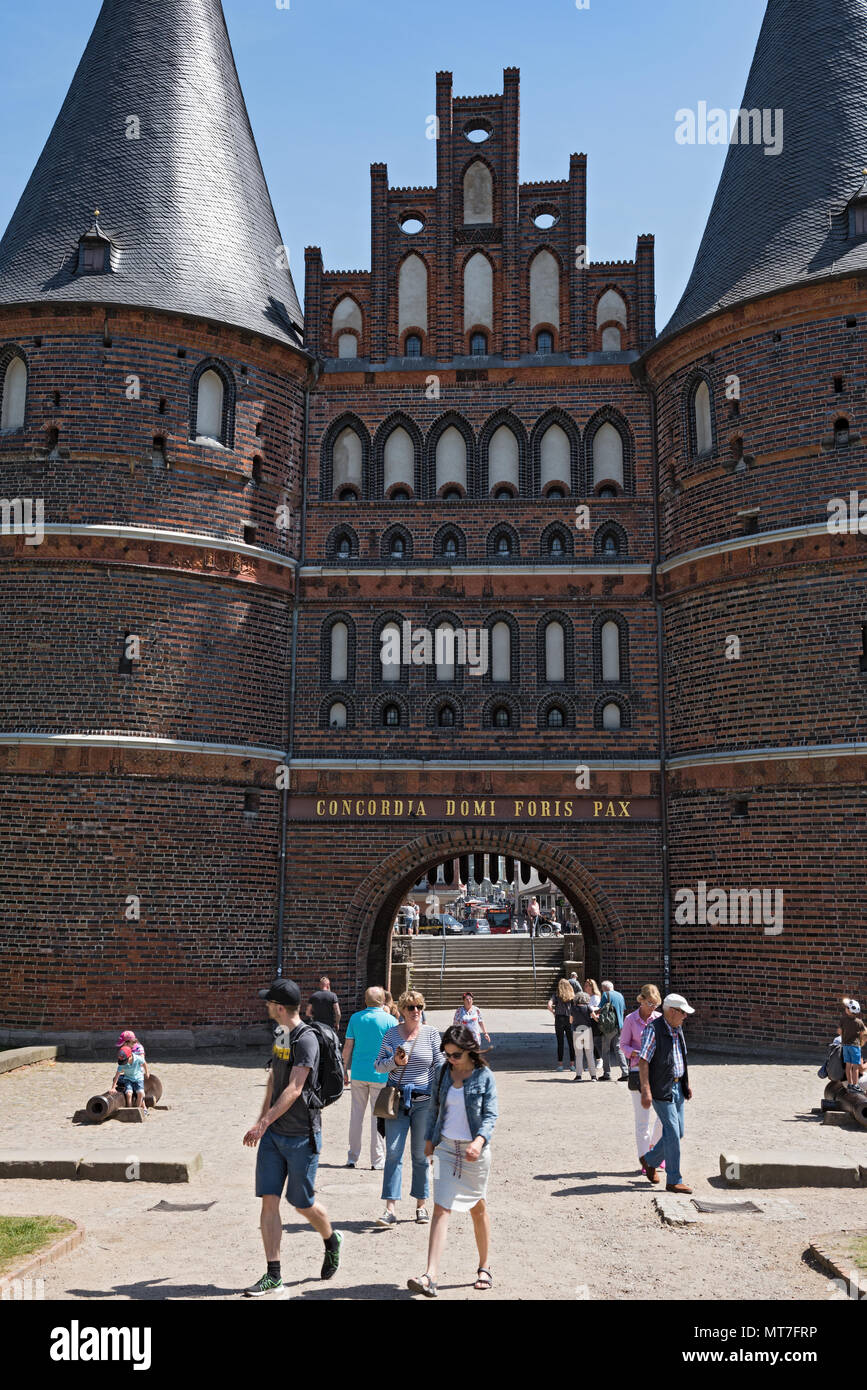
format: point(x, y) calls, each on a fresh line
point(793, 1168)
point(26, 1056)
point(63, 1246)
point(105, 1165)
point(22, 1163)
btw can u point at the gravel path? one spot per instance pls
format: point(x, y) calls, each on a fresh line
point(564, 1179)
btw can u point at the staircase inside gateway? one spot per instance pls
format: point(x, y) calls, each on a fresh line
point(497, 970)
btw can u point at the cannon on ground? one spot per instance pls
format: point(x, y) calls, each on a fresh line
point(854, 1103)
point(102, 1107)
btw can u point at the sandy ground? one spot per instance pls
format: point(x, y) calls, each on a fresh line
point(571, 1215)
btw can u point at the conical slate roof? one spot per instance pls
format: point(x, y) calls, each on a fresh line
point(769, 226)
point(185, 206)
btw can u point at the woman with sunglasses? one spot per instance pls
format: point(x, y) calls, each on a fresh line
point(410, 1055)
point(460, 1122)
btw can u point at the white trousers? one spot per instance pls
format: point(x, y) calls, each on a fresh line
point(364, 1093)
point(648, 1126)
point(584, 1050)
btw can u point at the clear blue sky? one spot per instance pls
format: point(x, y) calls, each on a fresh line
point(334, 85)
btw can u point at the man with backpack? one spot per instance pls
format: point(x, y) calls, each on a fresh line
point(612, 1011)
point(303, 1077)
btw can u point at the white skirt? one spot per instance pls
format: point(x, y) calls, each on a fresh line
point(458, 1185)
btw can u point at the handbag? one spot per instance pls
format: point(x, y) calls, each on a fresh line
point(387, 1105)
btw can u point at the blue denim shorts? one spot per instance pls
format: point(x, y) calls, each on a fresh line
point(288, 1160)
point(124, 1083)
point(852, 1054)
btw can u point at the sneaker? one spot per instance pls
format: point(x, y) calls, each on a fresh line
point(387, 1219)
point(571, 1066)
point(560, 1068)
point(349, 1165)
point(421, 1215)
point(604, 1078)
point(331, 1263)
point(377, 1168)
point(266, 1286)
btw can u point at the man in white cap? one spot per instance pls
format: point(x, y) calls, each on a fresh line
point(664, 1078)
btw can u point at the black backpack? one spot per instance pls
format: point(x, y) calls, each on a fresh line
point(608, 1019)
point(833, 1068)
point(327, 1085)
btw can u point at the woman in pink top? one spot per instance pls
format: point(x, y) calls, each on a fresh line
point(648, 1128)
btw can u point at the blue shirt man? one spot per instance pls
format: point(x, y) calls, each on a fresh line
point(610, 1042)
point(364, 1034)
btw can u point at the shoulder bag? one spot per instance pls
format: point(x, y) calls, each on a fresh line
point(387, 1105)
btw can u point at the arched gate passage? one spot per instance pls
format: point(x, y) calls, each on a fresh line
point(377, 899)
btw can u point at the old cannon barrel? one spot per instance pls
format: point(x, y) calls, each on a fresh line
point(153, 1091)
point(856, 1104)
point(100, 1108)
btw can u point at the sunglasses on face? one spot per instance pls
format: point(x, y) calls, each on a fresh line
point(453, 1056)
point(414, 1008)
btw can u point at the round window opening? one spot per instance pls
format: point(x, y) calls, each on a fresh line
point(477, 132)
point(545, 220)
point(411, 223)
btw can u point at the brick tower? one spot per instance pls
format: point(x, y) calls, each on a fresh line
point(152, 381)
point(759, 382)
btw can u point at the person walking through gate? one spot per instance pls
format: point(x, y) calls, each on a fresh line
point(470, 1016)
point(291, 1138)
point(561, 1005)
point(648, 1127)
point(582, 1021)
point(665, 1085)
point(364, 1034)
point(324, 1006)
point(460, 1123)
point(410, 1055)
point(610, 1041)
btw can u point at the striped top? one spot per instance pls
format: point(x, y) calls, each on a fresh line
point(423, 1060)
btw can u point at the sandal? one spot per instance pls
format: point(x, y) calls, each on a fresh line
point(485, 1279)
point(424, 1284)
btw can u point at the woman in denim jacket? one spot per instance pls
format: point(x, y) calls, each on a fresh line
point(460, 1122)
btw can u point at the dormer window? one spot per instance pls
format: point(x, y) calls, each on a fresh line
point(858, 213)
point(94, 252)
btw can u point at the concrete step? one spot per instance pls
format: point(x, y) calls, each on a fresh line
point(787, 1168)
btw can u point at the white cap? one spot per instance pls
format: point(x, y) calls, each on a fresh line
point(677, 1001)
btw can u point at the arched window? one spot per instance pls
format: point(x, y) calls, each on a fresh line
point(610, 639)
point(544, 343)
point(611, 717)
point(412, 347)
point(501, 652)
point(452, 495)
point(339, 652)
point(610, 548)
point(841, 434)
point(502, 717)
point(556, 718)
point(611, 340)
point(478, 195)
point(397, 548)
point(607, 456)
point(702, 424)
point(346, 314)
point(347, 494)
point(478, 292)
point(555, 653)
point(446, 717)
point(337, 716)
point(555, 457)
point(544, 290)
point(451, 459)
point(391, 717)
point(479, 345)
point(14, 388)
point(504, 546)
point(347, 460)
point(555, 545)
point(611, 306)
point(556, 493)
point(398, 461)
point(210, 427)
point(347, 345)
point(444, 651)
point(390, 652)
point(344, 548)
point(450, 548)
point(503, 459)
point(412, 295)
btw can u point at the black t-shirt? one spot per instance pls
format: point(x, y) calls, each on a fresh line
point(323, 1002)
point(298, 1048)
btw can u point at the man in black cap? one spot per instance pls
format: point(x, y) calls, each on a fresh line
point(291, 1135)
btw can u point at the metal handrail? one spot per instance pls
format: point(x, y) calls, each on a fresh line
point(533, 952)
point(443, 961)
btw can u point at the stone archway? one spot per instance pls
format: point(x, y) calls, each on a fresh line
point(368, 921)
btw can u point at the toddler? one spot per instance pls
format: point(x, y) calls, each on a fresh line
point(130, 1076)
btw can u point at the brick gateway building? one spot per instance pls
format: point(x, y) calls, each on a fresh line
point(209, 762)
